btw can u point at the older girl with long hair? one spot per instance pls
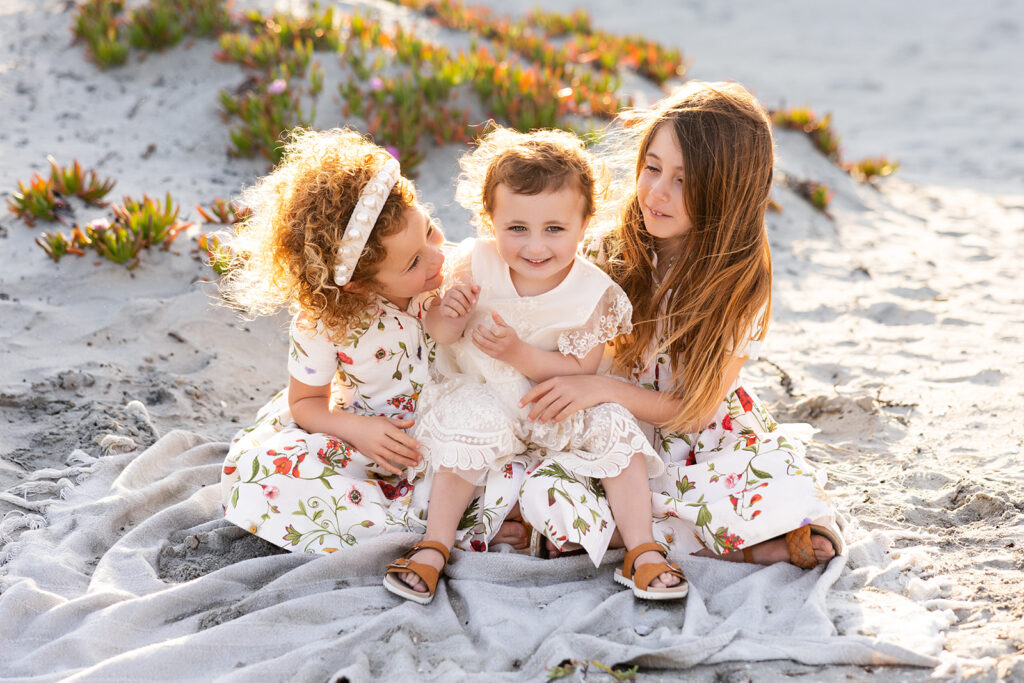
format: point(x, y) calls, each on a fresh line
point(691, 252)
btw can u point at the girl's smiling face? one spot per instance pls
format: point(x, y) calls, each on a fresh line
point(413, 260)
point(537, 235)
point(659, 187)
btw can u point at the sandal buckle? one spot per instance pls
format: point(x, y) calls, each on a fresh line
point(401, 562)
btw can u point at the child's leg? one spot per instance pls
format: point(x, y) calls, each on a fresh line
point(629, 498)
point(450, 493)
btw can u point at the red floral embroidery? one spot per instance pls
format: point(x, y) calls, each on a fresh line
point(230, 469)
point(507, 471)
point(478, 546)
point(727, 423)
point(744, 398)
point(344, 358)
point(282, 465)
point(397, 491)
point(756, 497)
point(751, 439)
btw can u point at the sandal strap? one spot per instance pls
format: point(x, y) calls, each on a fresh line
point(428, 574)
point(631, 555)
point(801, 552)
point(646, 573)
point(429, 545)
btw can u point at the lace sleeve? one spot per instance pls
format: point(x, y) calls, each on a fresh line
point(612, 317)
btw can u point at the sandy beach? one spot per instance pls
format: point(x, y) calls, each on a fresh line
point(897, 329)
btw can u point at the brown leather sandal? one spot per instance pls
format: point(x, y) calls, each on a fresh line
point(393, 581)
point(639, 579)
point(801, 551)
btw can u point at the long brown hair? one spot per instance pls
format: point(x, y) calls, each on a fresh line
point(719, 289)
point(286, 249)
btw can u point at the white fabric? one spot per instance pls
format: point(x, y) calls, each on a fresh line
point(137, 578)
point(470, 419)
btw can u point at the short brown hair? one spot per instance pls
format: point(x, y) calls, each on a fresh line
point(528, 164)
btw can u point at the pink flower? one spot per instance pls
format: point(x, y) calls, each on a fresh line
point(376, 83)
point(393, 151)
point(271, 492)
point(277, 86)
point(355, 496)
point(731, 480)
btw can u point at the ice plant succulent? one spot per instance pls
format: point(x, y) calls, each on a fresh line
point(155, 222)
point(867, 170)
point(73, 180)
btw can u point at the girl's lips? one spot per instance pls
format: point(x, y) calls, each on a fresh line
point(536, 262)
point(656, 213)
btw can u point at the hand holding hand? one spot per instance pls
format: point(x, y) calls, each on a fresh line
point(383, 440)
point(498, 341)
point(557, 398)
point(459, 300)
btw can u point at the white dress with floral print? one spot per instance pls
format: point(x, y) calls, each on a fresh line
point(733, 484)
point(311, 492)
point(470, 419)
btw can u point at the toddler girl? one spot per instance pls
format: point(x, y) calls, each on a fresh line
point(337, 234)
point(692, 253)
point(522, 307)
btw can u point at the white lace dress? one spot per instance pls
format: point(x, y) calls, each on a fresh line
point(470, 419)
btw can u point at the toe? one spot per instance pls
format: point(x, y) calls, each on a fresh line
point(823, 549)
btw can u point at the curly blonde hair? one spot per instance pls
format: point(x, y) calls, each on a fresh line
point(720, 287)
point(285, 250)
point(528, 164)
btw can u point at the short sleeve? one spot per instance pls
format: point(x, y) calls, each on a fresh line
point(612, 317)
point(312, 356)
point(750, 347)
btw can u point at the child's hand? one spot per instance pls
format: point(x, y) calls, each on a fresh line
point(559, 397)
point(498, 341)
point(384, 441)
point(459, 300)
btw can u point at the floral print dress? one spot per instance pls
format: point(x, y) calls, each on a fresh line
point(315, 493)
point(735, 483)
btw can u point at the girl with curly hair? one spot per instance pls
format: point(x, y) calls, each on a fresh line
point(335, 233)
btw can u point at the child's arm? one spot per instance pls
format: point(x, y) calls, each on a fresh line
point(559, 397)
point(446, 321)
point(379, 438)
point(500, 341)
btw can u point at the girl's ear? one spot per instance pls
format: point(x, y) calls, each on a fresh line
point(354, 288)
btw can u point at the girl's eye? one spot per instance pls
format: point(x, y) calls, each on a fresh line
point(430, 230)
point(517, 228)
point(651, 169)
point(555, 228)
point(415, 262)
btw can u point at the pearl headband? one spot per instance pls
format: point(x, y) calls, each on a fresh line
point(364, 217)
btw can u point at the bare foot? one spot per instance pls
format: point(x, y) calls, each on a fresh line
point(775, 550)
point(513, 533)
point(427, 556)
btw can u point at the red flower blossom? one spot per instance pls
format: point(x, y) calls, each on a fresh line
point(756, 513)
point(754, 498)
point(507, 471)
point(344, 359)
point(727, 423)
point(744, 398)
point(478, 546)
point(282, 465)
point(230, 469)
point(751, 439)
point(734, 500)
